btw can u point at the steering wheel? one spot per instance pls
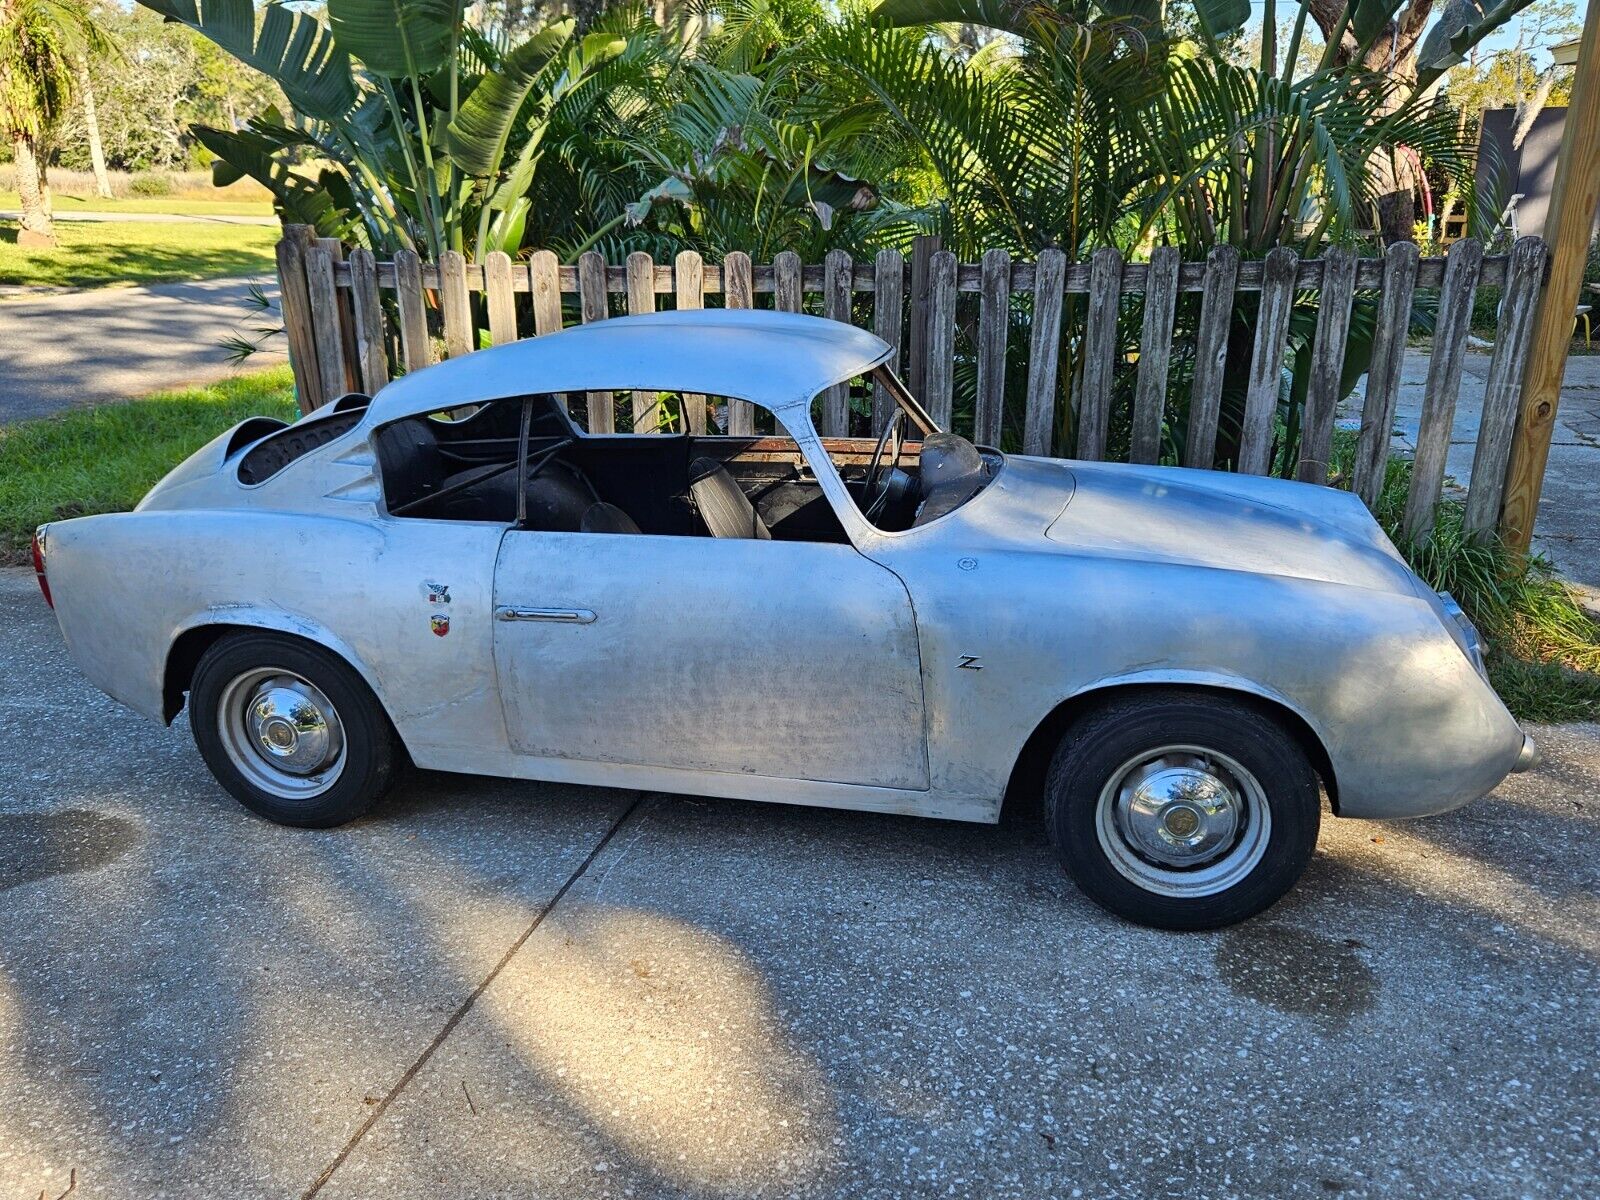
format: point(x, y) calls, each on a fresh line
point(877, 477)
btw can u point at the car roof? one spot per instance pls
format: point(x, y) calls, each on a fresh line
point(780, 360)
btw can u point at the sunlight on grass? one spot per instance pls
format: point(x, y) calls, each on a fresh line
point(105, 459)
point(93, 254)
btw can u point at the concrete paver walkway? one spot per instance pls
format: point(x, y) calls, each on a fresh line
point(521, 990)
point(69, 349)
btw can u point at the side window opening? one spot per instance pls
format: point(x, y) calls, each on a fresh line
point(462, 466)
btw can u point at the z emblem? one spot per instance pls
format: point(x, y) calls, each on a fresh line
point(969, 662)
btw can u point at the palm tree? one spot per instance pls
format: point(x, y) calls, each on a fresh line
point(40, 43)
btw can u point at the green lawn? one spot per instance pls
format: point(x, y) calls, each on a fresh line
point(181, 206)
point(94, 254)
point(105, 459)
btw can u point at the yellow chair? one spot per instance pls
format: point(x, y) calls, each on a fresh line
point(1583, 315)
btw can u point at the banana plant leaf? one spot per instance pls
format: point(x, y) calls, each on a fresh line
point(398, 39)
point(291, 48)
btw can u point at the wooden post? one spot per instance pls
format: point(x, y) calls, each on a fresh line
point(1571, 223)
point(295, 305)
point(739, 291)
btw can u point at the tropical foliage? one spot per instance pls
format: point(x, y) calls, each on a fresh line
point(767, 125)
point(41, 41)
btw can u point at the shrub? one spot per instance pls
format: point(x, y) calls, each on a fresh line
point(151, 183)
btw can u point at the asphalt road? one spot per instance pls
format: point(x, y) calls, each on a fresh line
point(497, 989)
point(68, 349)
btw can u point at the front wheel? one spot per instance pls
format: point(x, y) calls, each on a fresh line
point(290, 729)
point(1182, 810)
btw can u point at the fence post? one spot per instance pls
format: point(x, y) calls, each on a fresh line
point(888, 279)
point(738, 291)
point(1570, 225)
point(1044, 358)
point(939, 331)
point(371, 337)
point(295, 305)
point(838, 279)
point(1099, 352)
point(327, 330)
point(994, 323)
point(923, 248)
point(1503, 385)
point(1444, 384)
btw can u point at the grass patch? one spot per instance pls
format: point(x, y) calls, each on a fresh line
point(94, 254)
point(188, 206)
point(1544, 648)
point(105, 459)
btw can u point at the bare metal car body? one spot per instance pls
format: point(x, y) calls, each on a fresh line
point(902, 672)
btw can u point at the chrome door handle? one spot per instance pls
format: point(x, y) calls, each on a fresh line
point(568, 616)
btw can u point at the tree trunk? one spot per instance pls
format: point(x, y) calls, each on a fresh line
point(1392, 55)
point(37, 228)
point(91, 124)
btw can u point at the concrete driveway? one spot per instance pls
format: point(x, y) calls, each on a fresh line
point(496, 989)
point(67, 349)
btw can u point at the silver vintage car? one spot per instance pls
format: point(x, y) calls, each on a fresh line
point(1180, 663)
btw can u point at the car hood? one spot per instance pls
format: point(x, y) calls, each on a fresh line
point(1210, 519)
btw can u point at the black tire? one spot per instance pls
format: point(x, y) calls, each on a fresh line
point(348, 787)
point(1100, 745)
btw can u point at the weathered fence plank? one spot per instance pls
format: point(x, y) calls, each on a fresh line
point(416, 347)
point(347, 319)
point(367, 308)
point(501, 299)
point(1383, 372)
point(1266, 361)
point(594, 306)
point(1044, 357)
point(923, 248)
point(641, 270)
point(1444, 385)
point(544, 281)
point(325, 325)
point(1323, 391)
point(455, 306)
point(839, 274)
point(939, 340)
point(1155, 351)
point(786, 285)
point(294, 303)
point(994, 324)
point(1099, 352)
point(1502, 390)
point(1211, 356)
point(738, 284)
point(688, 274)
point(888, 277)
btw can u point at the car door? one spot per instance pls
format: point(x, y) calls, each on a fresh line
point(794, 660)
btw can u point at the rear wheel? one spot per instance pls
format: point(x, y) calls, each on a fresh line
point(290, 730)
point(1182, 810)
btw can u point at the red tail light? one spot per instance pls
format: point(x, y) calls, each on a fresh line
point(38, 569)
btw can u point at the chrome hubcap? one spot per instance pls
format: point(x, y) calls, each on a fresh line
point(281, 732)
point(1183, 821)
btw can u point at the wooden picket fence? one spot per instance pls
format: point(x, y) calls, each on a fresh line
point(341, 340)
